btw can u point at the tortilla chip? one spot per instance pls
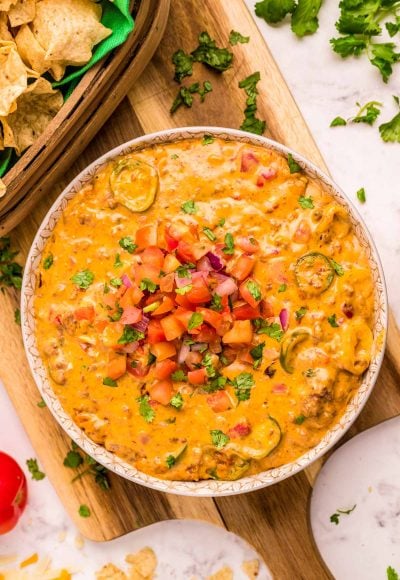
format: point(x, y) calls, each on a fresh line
point(22, 12)
point(13, 77)
point(36, 107)
point(225, 573)
point(6, 4)
point(5, 33)
point(110, 572)
point(30, 50)
point(68, 30)
point(143, 564)
point(251, 568)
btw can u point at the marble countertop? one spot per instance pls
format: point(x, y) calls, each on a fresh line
point(324, 86)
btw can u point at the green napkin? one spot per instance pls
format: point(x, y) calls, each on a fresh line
point(116, 16)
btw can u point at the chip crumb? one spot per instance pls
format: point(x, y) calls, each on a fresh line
point(61, 536)
point(79, 542)
point(251, 568)
point(110, 572)
point(143, 564)
point(225, 573)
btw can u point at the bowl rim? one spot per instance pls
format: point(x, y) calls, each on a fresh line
point(203, 488)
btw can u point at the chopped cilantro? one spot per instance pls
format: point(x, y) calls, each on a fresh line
point(299, 420)
point(210, 234)
point(177, 401)
point(208, 53)
point(127, 244)
point(183, 65)
point(106, 288)
point(178, 376)
point(235, 37)
point(195, 320)
point(361, 195)
point(229, 248)
point(184, 271)
point(335, 517)
point(118, 262)
point(189, 207)
point(109, 382)
point(332, 321)
point(48, 261)
point(207, 88)
point(338, 122)
point(300, 313)
point(170, 461)
point(306, 202)
point(208, 365)
point(392, 574)
point(184, 289)
point(282, 288)
point(216, 302)
point(17, 316)
point(184, 97)
point(129, 335)
point(216, 384)
point(116, 282)
point(273, 330)
point(274, 11)
point(368, 113)
point(293, 166)
point(242, 385)
point(257, 353)
point(73, 459)
point(254, 289)
point(219, 438)
point(117, 314)
point(41, 404)
point(207, 140)
point(83, 279)
point(390, 132)
point(149, 285)
point(34, 470)
point(251, 123)
point(84, 511)
point(145, 409)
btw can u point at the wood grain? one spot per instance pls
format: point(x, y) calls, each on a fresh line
point(274, 520)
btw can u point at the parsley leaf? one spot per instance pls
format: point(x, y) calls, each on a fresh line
point(393, 28)
point(210, 234)
point(306, 202)
point(184, 97)
point(130, 335)
point(195, 320)
point(149, 285)
point(335, 517)
point(208, 53)
point(272, 330)
point(251, 123)
point(73, 459)
point(84, 511)
point(189, 207)
point(242, 385)
point(305, 17)
point(300, 313)
point(179, 375)
point(293, 166)
point(183, 65)
point(177, 401)
point(207, 140)
point(348, 45)
point(332, 321)
point(219, 438)
point(207, 88)
point(116, 282)
point(392, 574)
point(338, 122)
point(235, 37)
point(83, 279)
point(216, 384)
point(48, 261)
point(109, 382)
point(390, 132)
point(254, 289)
point(229, 248)
point(34, 470)
point(384, 56)
point(145, 409)
point(274, 11)
point(361, 195)
point(127, 244)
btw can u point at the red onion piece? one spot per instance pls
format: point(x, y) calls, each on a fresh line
point(181, 282)
point(248, 161)
point(142, 325)
point(220, 277)
point(226, 288)
point(130, 348)
point(280, 389)
point(126, 281)
point(204, 265)
point(215, 261)
point(199, 346)
point(284, 318)
point(183, 353)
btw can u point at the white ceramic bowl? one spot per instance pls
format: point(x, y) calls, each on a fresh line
point(108, 459)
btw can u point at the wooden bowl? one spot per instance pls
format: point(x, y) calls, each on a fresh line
point(94, 99)
point(208, 487)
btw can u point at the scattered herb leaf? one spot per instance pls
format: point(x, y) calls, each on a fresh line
point(34, 470)
point(219, 438)
point(235, 37)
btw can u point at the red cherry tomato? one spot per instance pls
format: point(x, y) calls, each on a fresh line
point(13, 493)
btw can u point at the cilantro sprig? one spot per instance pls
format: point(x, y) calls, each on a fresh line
point(251, 123)
point(304, 14)
point(34, 470)
point(390, 131)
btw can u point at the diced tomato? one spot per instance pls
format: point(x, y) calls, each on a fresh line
point(132, 297)
point(109, 300)
point(172, 327)
point(248, 162)
point(167, 282)
point(185, 251)
point(164, 369)
point(183, 316)
point(246, 312)
point(171, 263)
point(131, 315)
point(211, 317)
point(207, 334)
point(303, 233)
point(197, 377)
point(219, 402)
point(246, 357)
point(193, 359)
point(111, 334)
point(239, 430)
point(246, 294)
point(162, 391)
point(247, 244)
point(266, 175)
point(166, 306)
point(267, 309)
point(199, 292)
point(148, 272)
point(171, 242)
point(85, 313)
point(276, 271)
point(155, 332)
point(100, 325)
point(153, 256)
point(181, 300)
point(241, 332)
point(116, 367)
point(163, 350)
point(243, 267)
point(146, 236)
point(180, 231)
point(137, 369)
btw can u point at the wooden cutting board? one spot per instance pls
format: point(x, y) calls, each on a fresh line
point(274, 519)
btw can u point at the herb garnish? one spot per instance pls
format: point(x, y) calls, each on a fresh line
point(10, 271)
point(251, 123)
point(229, 248)
point(184, 289)
point(254, 289)
point(257, 353)
point(216, 303)
point(335, 517)
point(17, 316)
point(299, 420)
point(170, 461)
point(207, 140)
point(130, 335)
point(183, 271)
point(332, 321)
point(242, 385)
point(282, 288)
point(48, 261)
point(189, 207)
point(84, 511)
point(34, 470)
point(145, 409)
point(208, 53)
point(73, 459)
point(273, 330)
point(95, 469)
point(361, 195)
point(210, 234)
point(304, 19)
point(338, 122)
point(83, 279)
point(127, 244)
point(392, 574)
point(235, 37)
point(300, 313)
point(176, 401)
point(219, 438)
point(149, 285)
point(183, 65)
point(293, 166)
point(306, 202)
point(41, 404)
point(116, 282)
point(390, 132)
point(195, 320)
point(179, 375)
point(109, 382)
